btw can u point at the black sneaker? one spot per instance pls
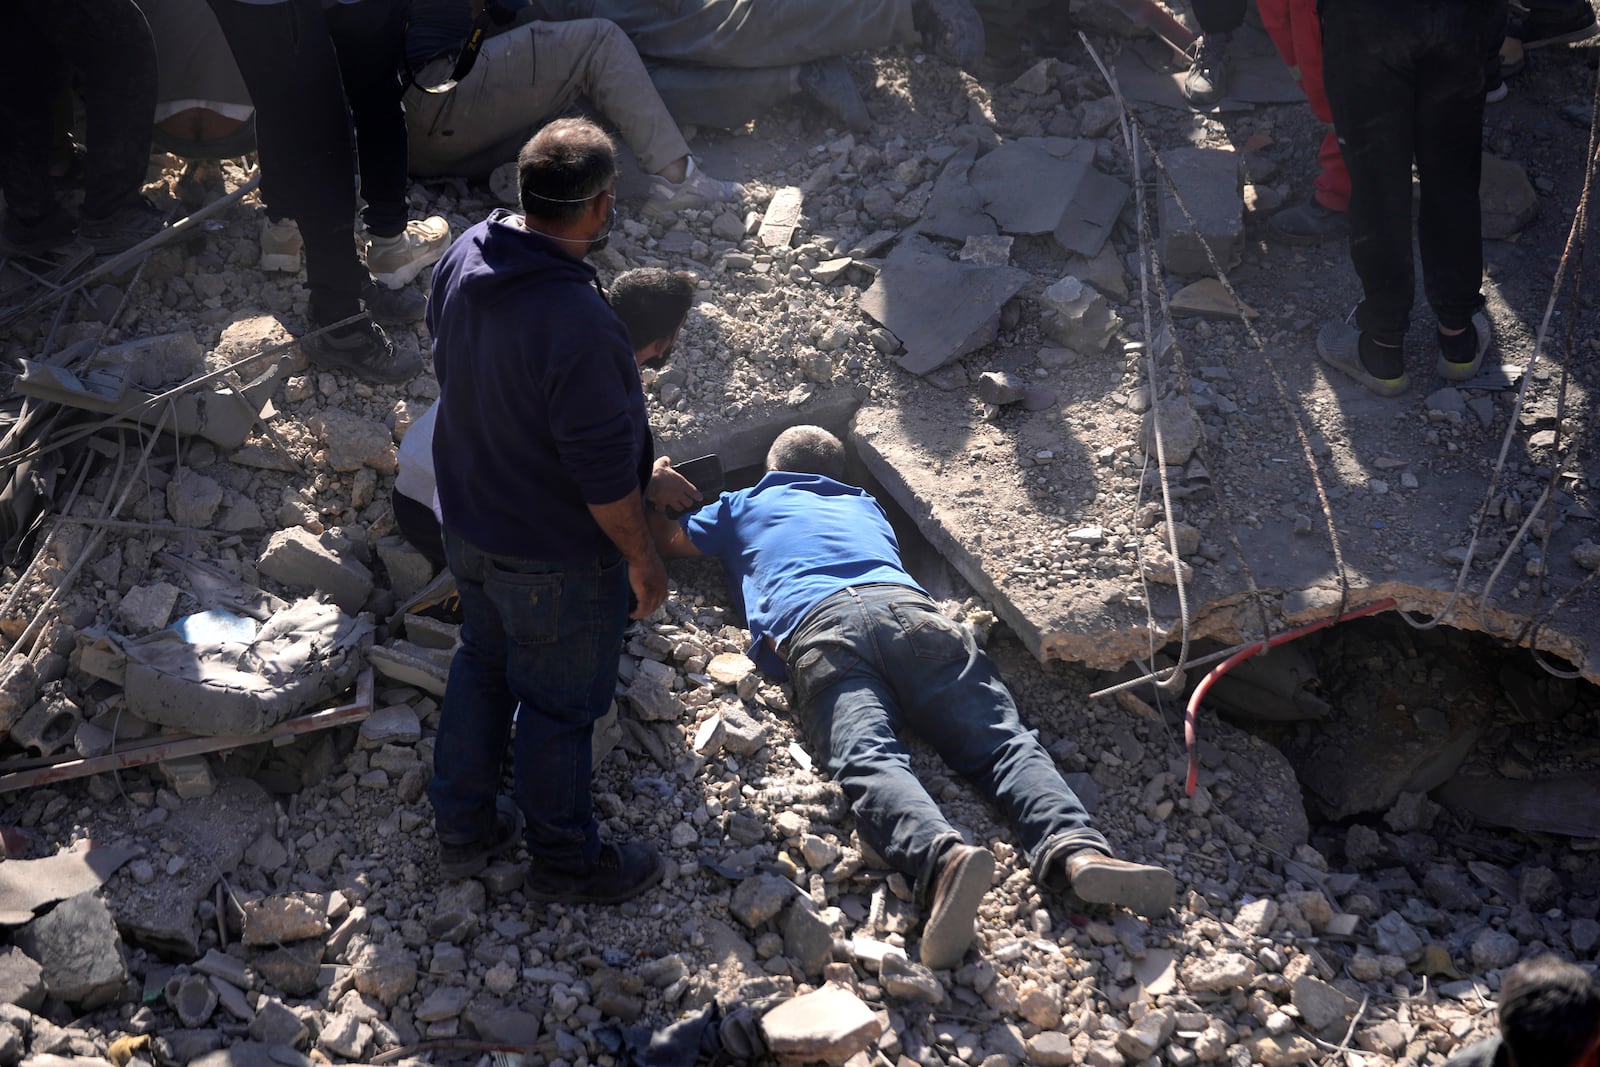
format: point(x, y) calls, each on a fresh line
point(953, 30)
point(362, 349)
point(1539, 29)
point(1308, 223)
point(465, 860)
point(393, 307)
point(19, 237)
point(828, 82)
point(136, 221)
point(621, 873)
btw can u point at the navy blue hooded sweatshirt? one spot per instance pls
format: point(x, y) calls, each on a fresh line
point(541, 411)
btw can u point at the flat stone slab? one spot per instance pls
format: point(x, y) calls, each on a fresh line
point(939, 308)
point(26, 886)
point(1207, 181)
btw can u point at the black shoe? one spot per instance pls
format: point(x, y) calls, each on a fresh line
point(1207, 79)
point(1308, 223)
point(362, 349)
point(952, 29)
point(393, 307)
point(465, 860)
point(136, 221)
point(621, 873)
point(21, 238)
point(1540, 29)
point(828, 82)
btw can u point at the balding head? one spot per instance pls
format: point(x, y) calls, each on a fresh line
point(563, 168)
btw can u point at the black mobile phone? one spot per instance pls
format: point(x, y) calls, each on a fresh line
point(705, 474)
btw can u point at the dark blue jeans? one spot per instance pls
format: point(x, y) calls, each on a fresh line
point(539, 645)
point(872, 659)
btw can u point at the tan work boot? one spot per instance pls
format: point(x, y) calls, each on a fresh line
point(1099, 879)
point(963, 878)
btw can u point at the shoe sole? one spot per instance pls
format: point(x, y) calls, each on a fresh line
point(1385, 387)
point(548, 897)
point(396, 279)
point(948, 931)
point(1147, 891)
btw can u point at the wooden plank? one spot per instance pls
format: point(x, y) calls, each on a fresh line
point(155, 749)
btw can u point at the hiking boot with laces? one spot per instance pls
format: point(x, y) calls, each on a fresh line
point(394, 261)
point(621, 872)
point(280, 246)
point(393, 307)
point(953, 30)
point(20, 237)
point(1207, 79)
point(363, 349)
point(964, 877)
point(828, 83)
point(697, 190)
point(135, 222)
point(464, 859)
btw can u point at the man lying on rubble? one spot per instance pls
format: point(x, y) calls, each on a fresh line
point(1549, 1017)
point(831, 608)
point(473, 103)
point(652, 304)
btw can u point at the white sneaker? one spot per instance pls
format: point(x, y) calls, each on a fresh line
point(394, 261)
point(697, 190)
point(280, 246)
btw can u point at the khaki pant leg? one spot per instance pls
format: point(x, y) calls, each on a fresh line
point(493, 109)
point(592, 58)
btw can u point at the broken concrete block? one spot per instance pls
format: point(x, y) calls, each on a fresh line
point(385, 971)
point(19, 688)
point(987, 250)
point(955, 210)
point(145, 608)
point(161, 361)
point(1208, 181)
point(189, 776)
point(1001, 387)
point(829, 270)
point(650, 692)
point(1027, 184)
point(21, 979)
point(248, 336)
point(1507, 201)
point(1077, 316)
point(829, 1024)
point(412, 664)
point(396, 724)
point(193, 998)
point(288, 917)
point(48, 725)
point(1209, 300)
point(409, 570)
point(782, 218)
point(304, 561)
point(79, 952)
point(193, 498)
point(939, 309)
point(1181, 430)
point(352, 442)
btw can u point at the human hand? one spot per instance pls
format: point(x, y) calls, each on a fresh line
point(670, 491)
point(648, 577)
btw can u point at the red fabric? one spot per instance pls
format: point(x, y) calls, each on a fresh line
point(1297, 33)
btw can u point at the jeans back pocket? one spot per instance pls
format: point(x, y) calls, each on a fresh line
point(529, 604)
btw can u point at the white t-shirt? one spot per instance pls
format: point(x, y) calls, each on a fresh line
point(415, 477)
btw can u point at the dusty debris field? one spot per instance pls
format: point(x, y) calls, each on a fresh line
point(280, 904)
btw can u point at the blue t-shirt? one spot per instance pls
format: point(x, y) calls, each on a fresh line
point(789, 542)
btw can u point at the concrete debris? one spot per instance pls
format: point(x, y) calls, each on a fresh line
point(1208, 299)
point(146, 608)
point(21, 979)
point(938, 308)
point(306, 562)
point(1506, 198)
point(27, 886)
point(778, 225)
point(1077, 316)
point(79, 952)
point(1208, 181)
point(292, 917)
point(829, 1024)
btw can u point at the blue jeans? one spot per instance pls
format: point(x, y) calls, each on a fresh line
point(871, 659)
point(539, 644)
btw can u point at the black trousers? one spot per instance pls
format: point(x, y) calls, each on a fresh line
point(109, 44)
point(1405, 82)
point(369, 38)
point(303, 137)
point(1218, 16)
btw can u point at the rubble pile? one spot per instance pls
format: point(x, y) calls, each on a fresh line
point(281, 903)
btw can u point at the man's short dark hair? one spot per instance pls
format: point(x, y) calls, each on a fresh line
point(651, 302)
point(1549, 1012)
point(564, 166)
point(807, 450)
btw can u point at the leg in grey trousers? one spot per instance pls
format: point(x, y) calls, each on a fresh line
point(526, 76)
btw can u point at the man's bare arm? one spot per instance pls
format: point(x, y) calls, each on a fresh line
point(670, 539)
point(624, 522)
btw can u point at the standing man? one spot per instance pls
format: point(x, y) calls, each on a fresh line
point(1406, 82)
point(831, 609)
point(541, 451)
